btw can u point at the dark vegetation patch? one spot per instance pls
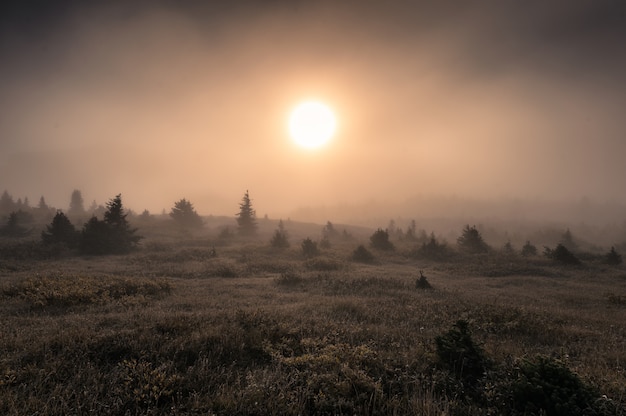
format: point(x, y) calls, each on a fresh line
point(75, 290)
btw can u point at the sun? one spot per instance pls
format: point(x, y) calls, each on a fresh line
point(312, 124)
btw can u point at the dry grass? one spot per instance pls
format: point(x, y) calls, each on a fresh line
point(175, 329)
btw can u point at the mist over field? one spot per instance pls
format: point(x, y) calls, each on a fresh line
point(473, 110)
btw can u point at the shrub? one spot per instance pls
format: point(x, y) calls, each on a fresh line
point(472, 241)
point(362, 255)
point(309, 248)
point(422, 282)
point(380, 240)
point(547, 386)
point(458, 352)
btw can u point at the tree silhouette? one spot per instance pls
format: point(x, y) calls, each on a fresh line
point(7, 204)
point(185, 215)
point(309, 248)
point(246, 219)
point(113, 235)
point(42, 204)
point(529, 249)
point(567, 240)
point(472, 241)
point(280, 239)
point(61, 230)
point(77, 207)
point(13, 227)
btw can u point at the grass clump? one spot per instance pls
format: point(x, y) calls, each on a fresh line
point(289, 278)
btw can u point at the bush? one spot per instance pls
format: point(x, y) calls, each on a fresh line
point(309, 248)
point(546, 386)
point(362, 255)
point(380, 240)
point(422, 282)
point(458, 352)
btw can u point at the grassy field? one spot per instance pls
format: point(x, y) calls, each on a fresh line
point(176, 328)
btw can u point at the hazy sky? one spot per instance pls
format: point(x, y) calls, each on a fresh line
point(164, 100)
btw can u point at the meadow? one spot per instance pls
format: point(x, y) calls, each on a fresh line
point(193, 324)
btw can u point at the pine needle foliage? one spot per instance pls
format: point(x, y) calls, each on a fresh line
point(246, 218)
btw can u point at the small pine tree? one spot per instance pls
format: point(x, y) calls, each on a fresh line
point(77, 204)
point(60, 231)
point(13, 227)
point(472, 241)
point(529, 250)
point(246, 218)
point(567, 240)
point(411, 231)
point(113, 235)
point(329, 230)
point(433, 249)
point(185, 215)
point(280, 239)
point(508, 249)
point(6, 203)
point(458, 352)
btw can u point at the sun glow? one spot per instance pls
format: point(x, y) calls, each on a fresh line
point(312, 124)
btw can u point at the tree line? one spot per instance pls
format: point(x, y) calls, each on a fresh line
point(108, 230)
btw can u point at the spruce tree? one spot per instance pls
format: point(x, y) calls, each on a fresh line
point(472, 241)
point(185, 215)
point(246, 219)
point(61, 230)
point(77, 207)
point(280, 239)
point(113, 235)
